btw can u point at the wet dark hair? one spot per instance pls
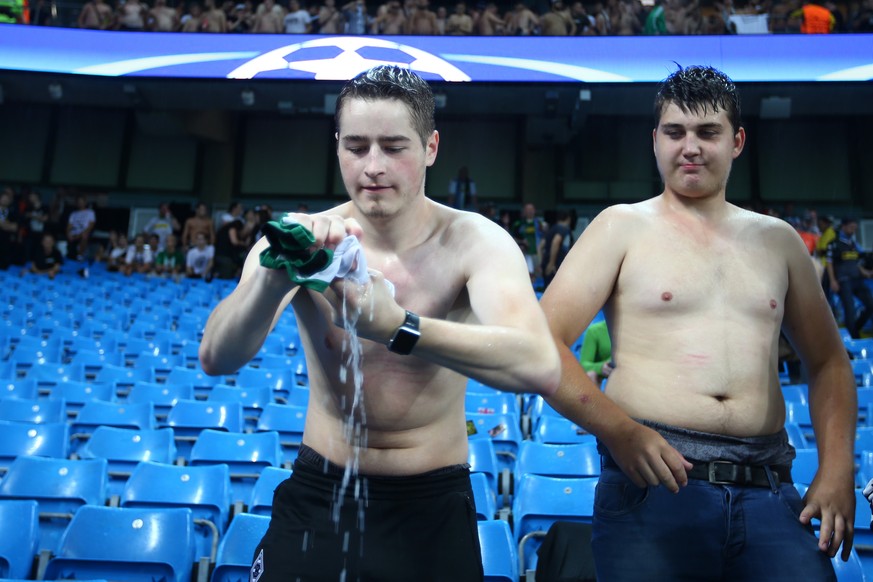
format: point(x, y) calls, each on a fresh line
point(393, 82)
point(697, 89)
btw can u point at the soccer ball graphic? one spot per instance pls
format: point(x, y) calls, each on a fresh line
point(339, 58)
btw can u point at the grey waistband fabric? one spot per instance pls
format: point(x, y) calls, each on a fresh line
point(772, 449)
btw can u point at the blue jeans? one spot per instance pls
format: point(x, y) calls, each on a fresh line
point(704, 532)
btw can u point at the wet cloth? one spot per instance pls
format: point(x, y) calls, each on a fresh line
point(290, 249)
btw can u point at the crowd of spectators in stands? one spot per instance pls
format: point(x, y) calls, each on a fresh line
point(38, 237)
point(482, 18)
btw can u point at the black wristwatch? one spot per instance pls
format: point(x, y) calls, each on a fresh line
point(406, 336)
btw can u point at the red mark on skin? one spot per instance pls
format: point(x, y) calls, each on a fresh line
point(666, 296)
point(773, 304)
point(584, 399)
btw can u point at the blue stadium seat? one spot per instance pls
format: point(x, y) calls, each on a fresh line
point(125, 377)
point(799, 414)
point(32, 410)
point(132, 347)
point(188, 418)
point(859, 349)
point(538, 408)
point(57, 373)
point(299, 396)
point(162, 396)
point(795, 436)
point(43, 440)
point(60, 486)
point(134, 545)
point(36, 351)
point(161, 364)
point(805, 465)
point(483, 497)
point(204, 490)
point(124, 448)
point(850, 571)
point(863, 440)
point(540, 501)
point(18, 544)
point(19, 388)
point(252, 398)
point(72, 345)
point(569, 460)
point(483, 459)
point(287, 363)
point(237, 548)
point(499, 554)
point(94, 361)
point(7, 369)
point(504, 430)
point(75, 394)
point(196, 377)
point(280, 381)
point(190, 352)
point(97, 413)
point(246, 455)
point(865, 399)
point(863, 370)
point(796, 393)
point(261, 501)
point(558, 430)
point(493, 403)
point(275, 344)
point(288, 421)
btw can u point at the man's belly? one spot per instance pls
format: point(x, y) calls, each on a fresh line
point(739, 406)
point(378, 445)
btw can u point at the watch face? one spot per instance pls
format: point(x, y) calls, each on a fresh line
point(404, 340)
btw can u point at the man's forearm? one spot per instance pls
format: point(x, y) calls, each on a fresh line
point(834, 412)
point(507, 358)
point(237, 328)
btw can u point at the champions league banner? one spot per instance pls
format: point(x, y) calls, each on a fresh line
point(618, 59)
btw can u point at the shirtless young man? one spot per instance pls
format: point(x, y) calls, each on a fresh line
point(695, 292)
point(465, 279)
point(200, 223)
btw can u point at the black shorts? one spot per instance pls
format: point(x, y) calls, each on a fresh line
point(403, 529)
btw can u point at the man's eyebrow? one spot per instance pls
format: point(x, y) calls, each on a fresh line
point(381, 138)
point(709, 125)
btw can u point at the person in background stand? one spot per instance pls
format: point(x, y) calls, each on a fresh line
point(846, 273)
point(47, 259)
point(556, 245)
point(462, 191)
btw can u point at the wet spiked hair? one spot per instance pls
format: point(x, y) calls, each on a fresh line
point(698, 89)
point(393, 82)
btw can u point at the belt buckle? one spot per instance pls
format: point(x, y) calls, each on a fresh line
point(711, 466)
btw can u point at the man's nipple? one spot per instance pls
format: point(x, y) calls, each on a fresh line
point(666, 296)
point(773, 304)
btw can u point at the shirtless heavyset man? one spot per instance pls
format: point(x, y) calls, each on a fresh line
point(695, 291)
point(463, 275)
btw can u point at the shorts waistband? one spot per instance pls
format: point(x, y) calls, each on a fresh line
point(314, 469)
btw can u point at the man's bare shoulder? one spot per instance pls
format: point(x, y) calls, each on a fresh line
point(754, 223)
point(625, 215)
point(467, 227)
